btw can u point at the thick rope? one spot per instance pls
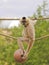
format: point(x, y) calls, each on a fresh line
point(45, 36)
point(8, 36)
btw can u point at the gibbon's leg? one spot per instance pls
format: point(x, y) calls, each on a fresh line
point(20, 42)
point(30, 45)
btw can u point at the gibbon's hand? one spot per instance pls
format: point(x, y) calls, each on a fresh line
point(24, 56)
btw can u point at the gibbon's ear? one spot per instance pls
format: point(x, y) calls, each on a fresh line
point(33, 22)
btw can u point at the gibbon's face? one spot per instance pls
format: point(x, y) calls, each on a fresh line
point(24, 21)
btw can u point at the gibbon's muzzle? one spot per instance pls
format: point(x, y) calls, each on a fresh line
point(23, 22)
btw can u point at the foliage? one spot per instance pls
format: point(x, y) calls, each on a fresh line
point(39, 54)
point(39, 11)
point(44, 7)
point(42, 10)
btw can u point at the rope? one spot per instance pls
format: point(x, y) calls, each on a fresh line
point(16, 38)
point(45, 36)
point(8, 36)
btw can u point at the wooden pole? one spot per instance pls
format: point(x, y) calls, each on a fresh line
point(19, 18)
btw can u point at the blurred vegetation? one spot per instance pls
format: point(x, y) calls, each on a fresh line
point(39, 54)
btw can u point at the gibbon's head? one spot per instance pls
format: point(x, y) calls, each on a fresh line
point(24, 21)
